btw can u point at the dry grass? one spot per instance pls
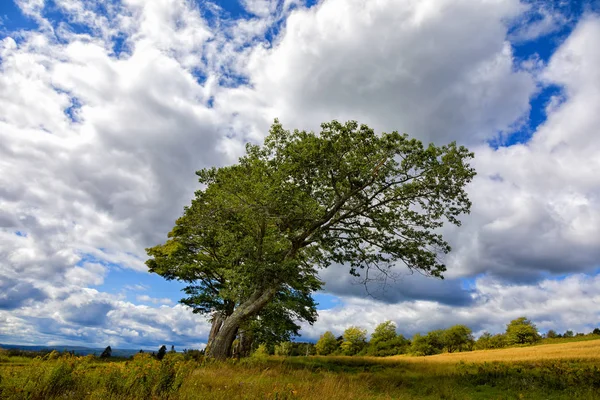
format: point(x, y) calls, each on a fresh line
point(560, 371)
point(575, 350)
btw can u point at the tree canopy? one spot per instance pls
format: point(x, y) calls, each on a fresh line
point(258, 230)
point(326, 344)
point(355, 339)
point(522, 331)
point(386, 342)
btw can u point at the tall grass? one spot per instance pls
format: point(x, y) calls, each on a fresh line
point(435, 377)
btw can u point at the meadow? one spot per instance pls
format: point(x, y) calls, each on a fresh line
point(548, 371)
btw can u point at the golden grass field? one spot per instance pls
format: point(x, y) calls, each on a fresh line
point(574, 350)
point(554, 371)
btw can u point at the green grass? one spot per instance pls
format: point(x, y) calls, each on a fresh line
point(297, 378)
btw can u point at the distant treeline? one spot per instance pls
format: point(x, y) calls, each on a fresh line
point(385, 341)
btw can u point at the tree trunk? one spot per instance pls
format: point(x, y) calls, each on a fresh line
point(220, 347)
point(245, 343)
point(217, 322)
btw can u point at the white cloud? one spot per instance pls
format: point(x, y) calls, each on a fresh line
point(572, 303)
point(144, 298)
point(536, 207)
point(98, 150)
point(439, 70)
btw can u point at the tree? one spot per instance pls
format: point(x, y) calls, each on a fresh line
point(326, 344)
point(303, 349)
point(384, 332)
point(385, 342)
point(107, 353)
point(484, 341)
point(568, 334)
point(498, 341)
point(161, 352)
point(551, 334)
point(596, 331)
point(522, 331)
point(355, 339)
point(259, 229)
point(457, 338)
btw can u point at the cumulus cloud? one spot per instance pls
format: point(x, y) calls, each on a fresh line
point(106, 113)
point(572, 303)
point(536, 206)
point(439, 70)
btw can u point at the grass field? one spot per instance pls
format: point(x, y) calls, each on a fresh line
point(555, 371)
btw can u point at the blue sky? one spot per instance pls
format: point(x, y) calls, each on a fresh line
point(111, 108)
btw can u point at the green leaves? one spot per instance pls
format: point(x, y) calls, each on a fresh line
point(522, 331)
point(327, 344)
point(303, 201)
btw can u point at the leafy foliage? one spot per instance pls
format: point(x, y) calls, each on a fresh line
point(457, 338)
point(259, 229)
point(385, 342)
point(327, 344)
point(283, 349)
point(522, 331)
point(427, 345)
point(355, 340)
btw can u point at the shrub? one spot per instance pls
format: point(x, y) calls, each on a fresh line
point(261, 352)
point(283, 349)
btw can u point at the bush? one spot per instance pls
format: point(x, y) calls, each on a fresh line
point(261, 352)
point(283, 349)
point(194, 355)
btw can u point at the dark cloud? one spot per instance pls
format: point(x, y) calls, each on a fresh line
point(406, 287)
point(15, 294)
point(92, 314)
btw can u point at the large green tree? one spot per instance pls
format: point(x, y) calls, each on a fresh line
point(386, 342)
point(458, 338)
point(261, 228)
point(355, 340)
point(522, 331)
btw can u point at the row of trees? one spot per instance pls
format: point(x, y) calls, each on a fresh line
point(385, 341)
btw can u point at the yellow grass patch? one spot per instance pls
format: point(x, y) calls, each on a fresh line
point(575, 350)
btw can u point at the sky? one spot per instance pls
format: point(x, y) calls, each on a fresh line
point(108, 107)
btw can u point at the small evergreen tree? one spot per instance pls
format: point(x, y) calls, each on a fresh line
point(161, 352)
point(107, 353)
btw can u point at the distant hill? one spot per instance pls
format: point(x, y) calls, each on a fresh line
point(79, 350)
